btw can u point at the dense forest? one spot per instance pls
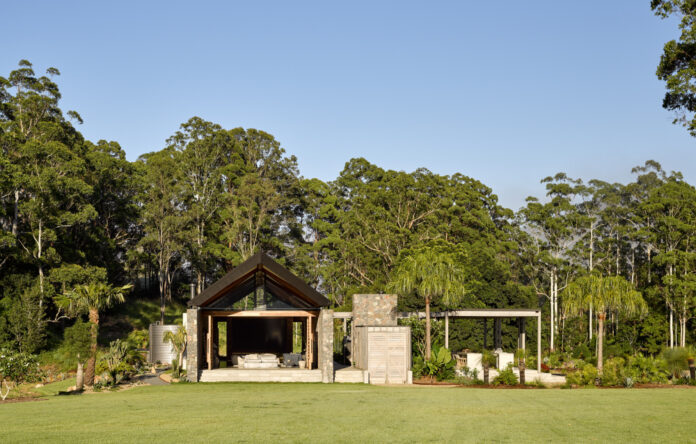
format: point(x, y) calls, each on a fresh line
point(74, 211)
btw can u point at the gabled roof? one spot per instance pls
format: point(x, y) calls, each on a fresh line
point(278, 278)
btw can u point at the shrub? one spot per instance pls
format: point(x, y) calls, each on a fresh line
point(646, 370)
point(584, 377)
point(120, 363)
point(139, 338)
point(677, 360)
point(531, 361)
point(440, 365)
point(613, 373)
point(16, 368)
point(582, 351)
point(554, 360)
point(685, 381)
point(506, 377)
point(418, 367)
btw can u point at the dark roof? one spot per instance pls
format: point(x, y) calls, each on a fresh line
point(291, 286)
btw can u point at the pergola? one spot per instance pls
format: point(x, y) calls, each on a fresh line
point(521, 314)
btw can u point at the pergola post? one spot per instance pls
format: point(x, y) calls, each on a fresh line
point(447, 331)
point(521, 333)
point(539, 343)
point(497, 333)
point(485, 333)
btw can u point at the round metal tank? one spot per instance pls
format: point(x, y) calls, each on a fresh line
point(160, 350)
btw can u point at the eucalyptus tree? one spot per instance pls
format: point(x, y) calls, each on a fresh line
point(380, 213)
point(674, 207)
point(590, 209)
point(612, 293)
point(555, 228)
point(48, 190)
point(201, 146)
point(91, 298)
point(261, 198)
point(162, 221)
point(116, 187)
point(432, 272)
point(319, 217)
point(677, 67)
point(642, 213)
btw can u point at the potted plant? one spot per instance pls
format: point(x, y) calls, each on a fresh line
point(488, 360)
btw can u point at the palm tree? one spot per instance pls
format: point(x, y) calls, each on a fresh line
point(602, 294)
point(91, 299)
point(521, 356)
point(432, 272)
point(178, 341)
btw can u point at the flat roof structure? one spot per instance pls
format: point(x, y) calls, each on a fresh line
point(477, 313)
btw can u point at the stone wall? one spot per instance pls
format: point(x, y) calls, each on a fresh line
point(374, 310)
point(325, 345)
point(193, 343)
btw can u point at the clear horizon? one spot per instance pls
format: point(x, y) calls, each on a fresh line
point(504, 94)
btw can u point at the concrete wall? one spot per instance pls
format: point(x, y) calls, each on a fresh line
point(385, 352)
point(194, 343)
point(325, 345)
point(374, 310)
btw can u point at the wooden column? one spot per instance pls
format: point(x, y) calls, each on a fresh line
point(521, 333)
point(309, 355)
point(210, 342)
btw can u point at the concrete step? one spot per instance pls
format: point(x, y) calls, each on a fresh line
point(350, 376)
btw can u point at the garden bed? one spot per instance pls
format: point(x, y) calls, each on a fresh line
point(22, 399)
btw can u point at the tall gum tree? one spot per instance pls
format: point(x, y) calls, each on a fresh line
point(201, 146)
point(555, 228)
point(161, 217)
point(677, 66)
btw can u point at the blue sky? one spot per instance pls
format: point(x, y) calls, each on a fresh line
point(505, 92)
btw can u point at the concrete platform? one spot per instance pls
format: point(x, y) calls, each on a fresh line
point(260, 375)
point(351, 375)
point(530, 376)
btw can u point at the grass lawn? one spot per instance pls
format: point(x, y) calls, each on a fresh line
point(345, 412)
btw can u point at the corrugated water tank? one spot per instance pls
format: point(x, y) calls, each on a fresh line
point(161, 351)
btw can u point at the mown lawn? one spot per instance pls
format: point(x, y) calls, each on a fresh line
point(343, 412)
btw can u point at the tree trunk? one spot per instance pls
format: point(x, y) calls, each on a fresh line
point(551, 347)
point(163, 296)
point(92, 361)
point(522, 368)
point(485, 375)
point(600, 342)
point(671, 328)
point(427, 328)
point(15, 217)
point(80, 377)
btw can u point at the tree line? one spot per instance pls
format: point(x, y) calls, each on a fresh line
point(75, 212)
